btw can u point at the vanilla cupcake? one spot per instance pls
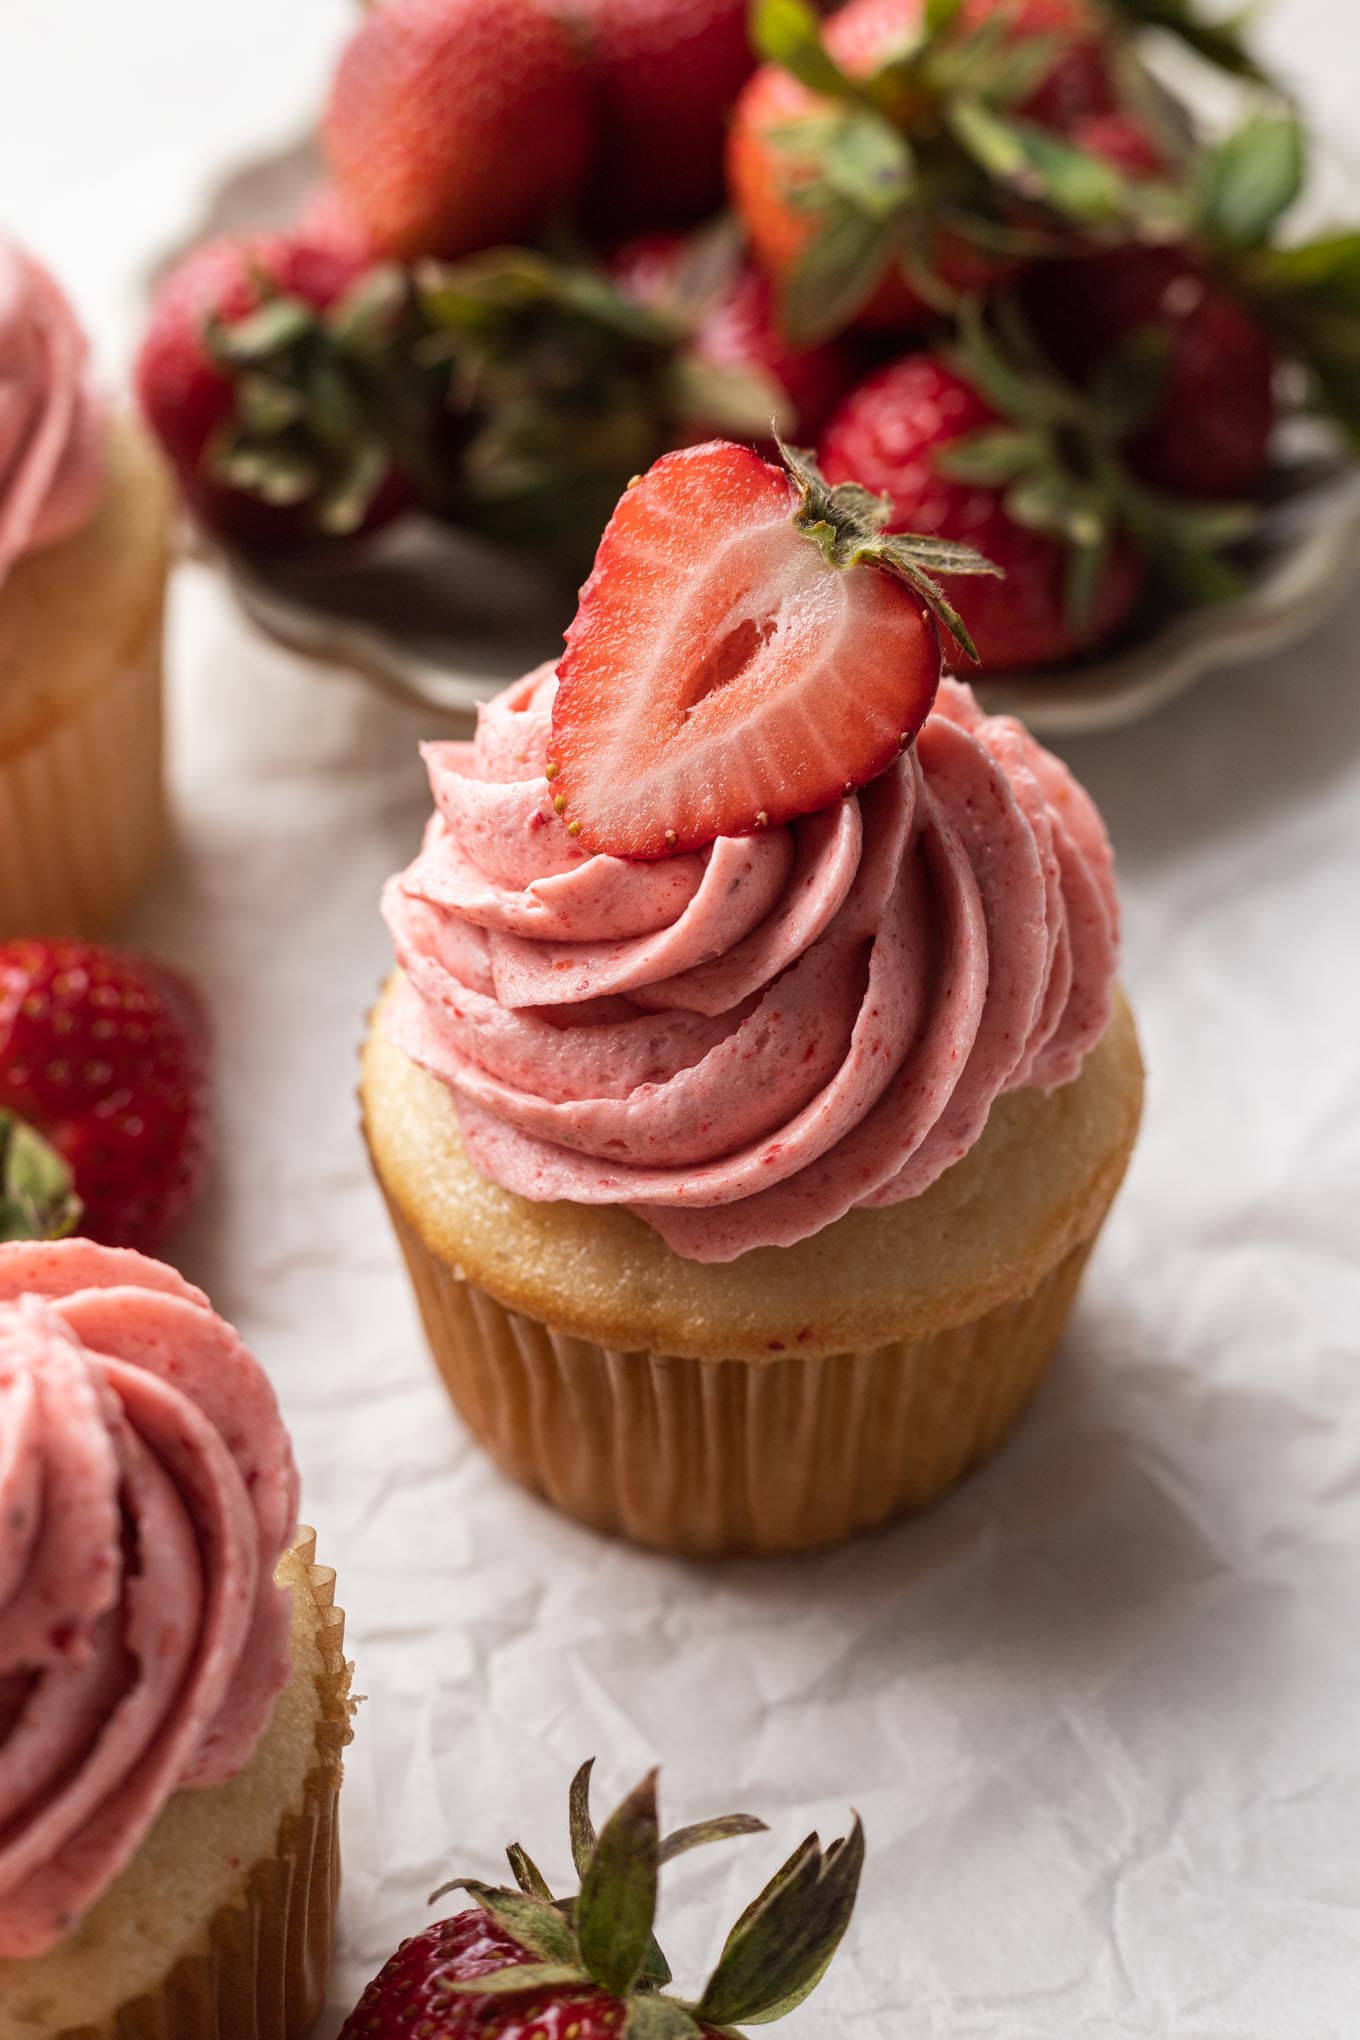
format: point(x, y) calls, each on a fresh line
point(745, 1191)
point(173, 1692)
point(84, 547)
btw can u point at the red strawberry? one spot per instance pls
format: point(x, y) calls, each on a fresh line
point(191, 400)
point(106, 1053)
point(1210, 433)
point(423, 1989)
point(889, 434)
point(455, 124)
point(665, 74)
point(704, 691)
point(764, 177)
point(527, 1966)
point(735, 329)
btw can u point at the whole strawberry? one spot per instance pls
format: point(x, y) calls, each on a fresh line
point(877, 90)
point(528, 1966)
point(895, 435)
point(236, 340)
point(665, 74)
point(1209, 432)
point(728, 307)
point(456, 124)
point(106, 1054)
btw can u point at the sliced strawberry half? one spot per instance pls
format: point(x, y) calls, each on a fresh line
point(749, 646)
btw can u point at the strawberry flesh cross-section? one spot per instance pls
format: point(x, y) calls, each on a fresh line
point(749, 647)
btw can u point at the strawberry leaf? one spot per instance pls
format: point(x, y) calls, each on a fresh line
point(582, 1826)
point(37, 1189)
point(617, 1904)
point(835, 276)
point(726, 1829)
point(992, 456)
point(1249, 181)
point(1044, 169)
point(538, 1927)
point(1086, 568)
point(869, 165)
point(527, 1874)
point(658, 2018)
point(781, 1946)
point(789, 33)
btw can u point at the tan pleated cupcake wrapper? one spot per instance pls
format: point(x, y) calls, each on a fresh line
point(82, 805)
point(712, 1457)
point(263, 1971)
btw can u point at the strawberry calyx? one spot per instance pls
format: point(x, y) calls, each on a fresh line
point(1058, 457)
point(603, 1936)
point(935, 145)
point(563, 385)
point(328, 402)
point(847, 524)
point(38, 1199)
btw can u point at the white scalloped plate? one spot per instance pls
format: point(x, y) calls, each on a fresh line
point(440, 621)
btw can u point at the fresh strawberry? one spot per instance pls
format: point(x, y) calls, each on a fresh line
point(1209, 433)
point(729, 308)
point(776, 164)
point(666, 73)
point(747, 648)
point(106, 1053)
point(189, 390)
point(891, 433)
point(456, 124)
point(527, 1966)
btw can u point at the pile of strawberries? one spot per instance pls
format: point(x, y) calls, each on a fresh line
point(975, 252)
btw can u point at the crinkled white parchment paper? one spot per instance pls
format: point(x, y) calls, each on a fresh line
point(1101, 1710)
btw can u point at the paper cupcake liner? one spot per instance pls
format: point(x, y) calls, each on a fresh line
point(263, 1972)
point(82, 805)
point(714, 1457)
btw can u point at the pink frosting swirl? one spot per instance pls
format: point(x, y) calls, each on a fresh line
point(745, 1043)
point(51, 421)
point(147, 1488)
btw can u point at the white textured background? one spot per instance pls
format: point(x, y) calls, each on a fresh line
point(1101, 1711)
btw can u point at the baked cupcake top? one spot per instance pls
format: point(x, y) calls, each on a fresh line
point(147, 1488)
point(51, 420)
point(744, 1041)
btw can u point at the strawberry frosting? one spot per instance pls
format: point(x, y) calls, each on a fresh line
point(147, 1488)
point(51, 420)
point(745, 1043)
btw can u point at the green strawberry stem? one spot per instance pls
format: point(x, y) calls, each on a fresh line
point(774, 1956)
point(847, 524)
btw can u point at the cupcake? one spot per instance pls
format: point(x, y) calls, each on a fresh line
point(745, 1187)
point(84, 542)
point(173, 1694)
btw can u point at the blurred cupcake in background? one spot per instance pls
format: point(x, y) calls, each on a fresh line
point(84, 549)
point(173, 1689)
